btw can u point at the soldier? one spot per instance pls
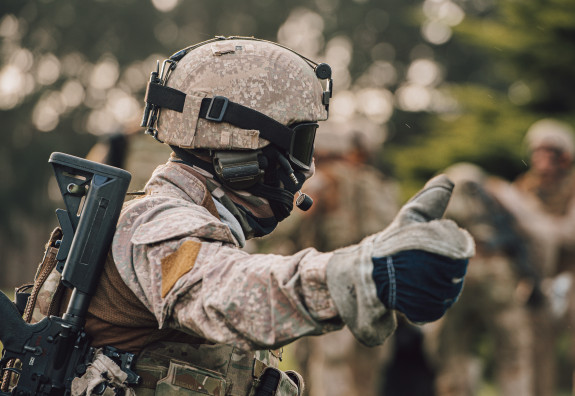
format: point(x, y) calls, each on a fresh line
point(205, 317)
point(542, 200)
point(500, 284)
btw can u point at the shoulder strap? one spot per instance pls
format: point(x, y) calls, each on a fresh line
point(42, 301)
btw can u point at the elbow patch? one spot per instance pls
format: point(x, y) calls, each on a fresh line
point(178, 264)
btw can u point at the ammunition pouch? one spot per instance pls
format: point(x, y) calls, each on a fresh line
point(169, 368)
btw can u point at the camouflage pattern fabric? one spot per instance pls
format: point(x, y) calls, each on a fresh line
point(256, 74)
point(553, 199)
point(185, 380)
point(169, 368)
point(251, 302)
point(228, 297)
point(46, 296)
point(546, 212)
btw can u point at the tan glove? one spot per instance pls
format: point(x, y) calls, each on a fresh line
point(417, 250)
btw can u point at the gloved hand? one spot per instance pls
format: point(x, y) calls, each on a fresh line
point(420, 284)
point(415, 265)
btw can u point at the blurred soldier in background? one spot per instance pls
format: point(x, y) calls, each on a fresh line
point(493, 311)
point(544, 204)
point(132, 150)
point(351, 197)
point(549, 184)
point(549, 187)
point(541, 201)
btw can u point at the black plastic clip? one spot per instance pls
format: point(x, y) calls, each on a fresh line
point(223, 109)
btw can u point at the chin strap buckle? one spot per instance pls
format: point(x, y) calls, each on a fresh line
point(238, 169)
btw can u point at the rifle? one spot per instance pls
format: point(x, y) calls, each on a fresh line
point(509, 239)
point(52, 352)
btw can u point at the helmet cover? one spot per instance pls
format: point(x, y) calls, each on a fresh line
point(261, 75)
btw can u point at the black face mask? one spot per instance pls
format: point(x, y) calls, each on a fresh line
point(278, 187)
point(275, 184)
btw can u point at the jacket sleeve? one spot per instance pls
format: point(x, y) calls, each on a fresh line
point(188, 272)
point(255, 300)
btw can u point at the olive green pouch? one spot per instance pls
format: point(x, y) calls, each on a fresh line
point(184, 379)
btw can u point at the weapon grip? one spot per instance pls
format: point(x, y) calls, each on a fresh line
point(15, 332)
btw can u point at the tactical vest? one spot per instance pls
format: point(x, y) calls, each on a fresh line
point(168, 362)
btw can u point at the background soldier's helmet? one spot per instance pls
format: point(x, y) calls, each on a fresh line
point(550, 133)
point(258, 74)
point(338, 138)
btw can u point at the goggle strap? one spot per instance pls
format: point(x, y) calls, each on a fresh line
point(223, 110)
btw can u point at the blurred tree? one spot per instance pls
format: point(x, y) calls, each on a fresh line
point(525, 73)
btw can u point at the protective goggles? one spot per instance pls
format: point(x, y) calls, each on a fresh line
point(301, 148)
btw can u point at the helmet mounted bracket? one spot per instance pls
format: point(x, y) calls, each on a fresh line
point(238, 170)
point(151, 111)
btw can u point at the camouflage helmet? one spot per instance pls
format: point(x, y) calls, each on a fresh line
point(188, 99)
point(552, 133)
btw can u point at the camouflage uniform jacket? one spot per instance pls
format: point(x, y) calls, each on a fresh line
point(184, 264)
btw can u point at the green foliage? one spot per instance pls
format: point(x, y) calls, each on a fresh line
point(487, 131)
point(532, 41)
point(525, 73)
